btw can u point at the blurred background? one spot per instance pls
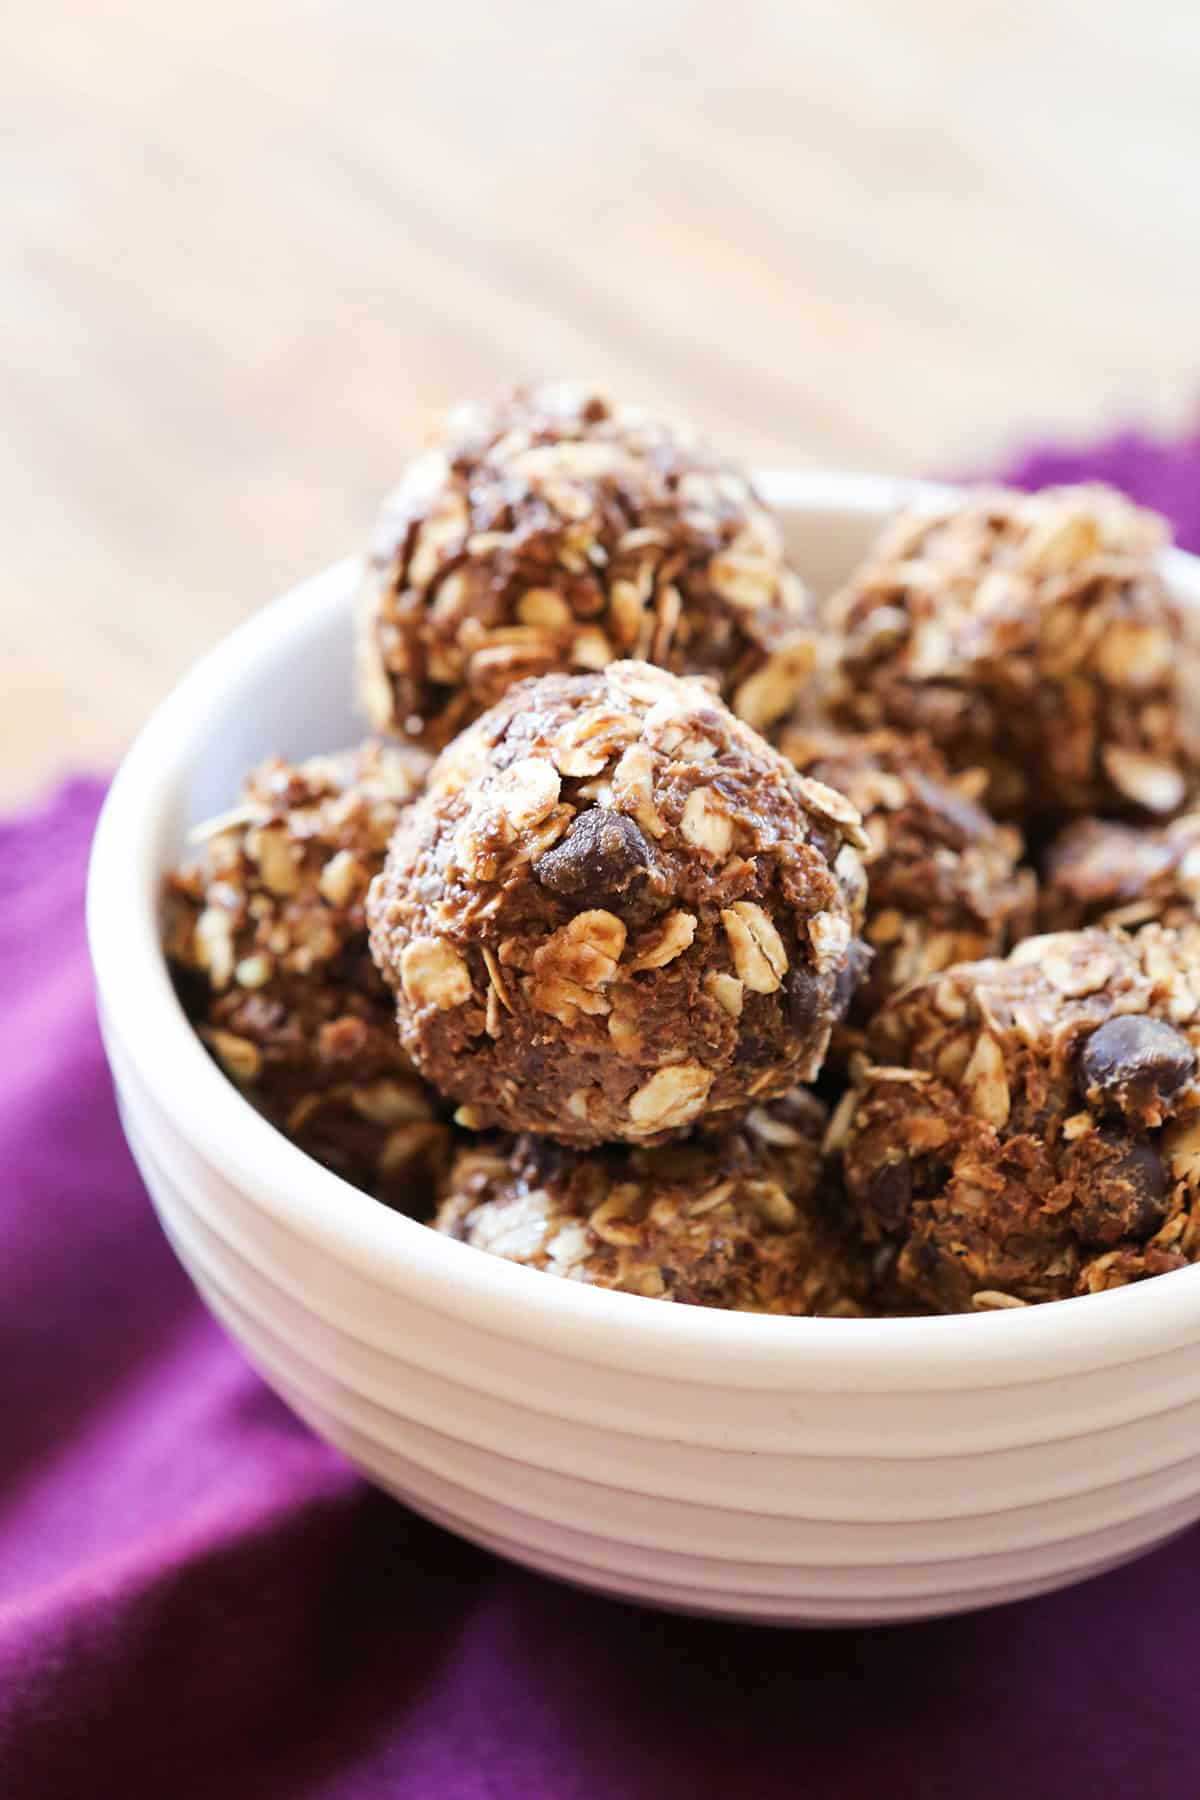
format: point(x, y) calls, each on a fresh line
point(248, 245)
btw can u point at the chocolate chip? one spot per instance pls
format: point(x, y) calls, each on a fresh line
point(540, 1161)
point(1127, 1187)
point(889, 1192)
point(803, 999)
point(849, 975)
point(1144, 1170)
point(1134, 1059)
point(601, 854)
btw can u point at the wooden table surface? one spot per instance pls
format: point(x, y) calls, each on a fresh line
point(249, 244)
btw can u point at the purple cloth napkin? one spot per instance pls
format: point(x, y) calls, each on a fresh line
point(197, 1598)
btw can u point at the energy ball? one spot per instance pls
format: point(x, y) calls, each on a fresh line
point(1031, 635)
point(744, 1219)
point(558, 531)
point(1100, 872)
point(944, 882)
point(1031, 1129)
point(267, 939)
point(614, 909)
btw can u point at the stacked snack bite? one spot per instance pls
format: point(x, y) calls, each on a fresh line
point(1031, 635)
point(1030, 1128)
point(559, 531)
point(615, 909)
point(944, 881)
point(744, 1218)
point(266, 934)
point(1102, 872)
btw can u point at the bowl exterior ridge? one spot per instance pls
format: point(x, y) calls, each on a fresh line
point(233, 1239)
point(822, 1560)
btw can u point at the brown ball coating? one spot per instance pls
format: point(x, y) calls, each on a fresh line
point(616, 908)
point(1100, 872)
point(745, 1219)
point(1031, 635)
point(944, 882)
point(267, 938)
point(558, 531)
point(1031, 1129)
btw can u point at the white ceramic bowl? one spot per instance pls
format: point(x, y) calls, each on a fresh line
point(806, 1470)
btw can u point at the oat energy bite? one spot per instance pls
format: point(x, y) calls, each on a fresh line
point(267, 940)
point(1101, 872)
point(944, 883)
point(1031, 635)
point(615, 909)
point(1032, 1129)
point(557, 531)
point(743, 1219)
